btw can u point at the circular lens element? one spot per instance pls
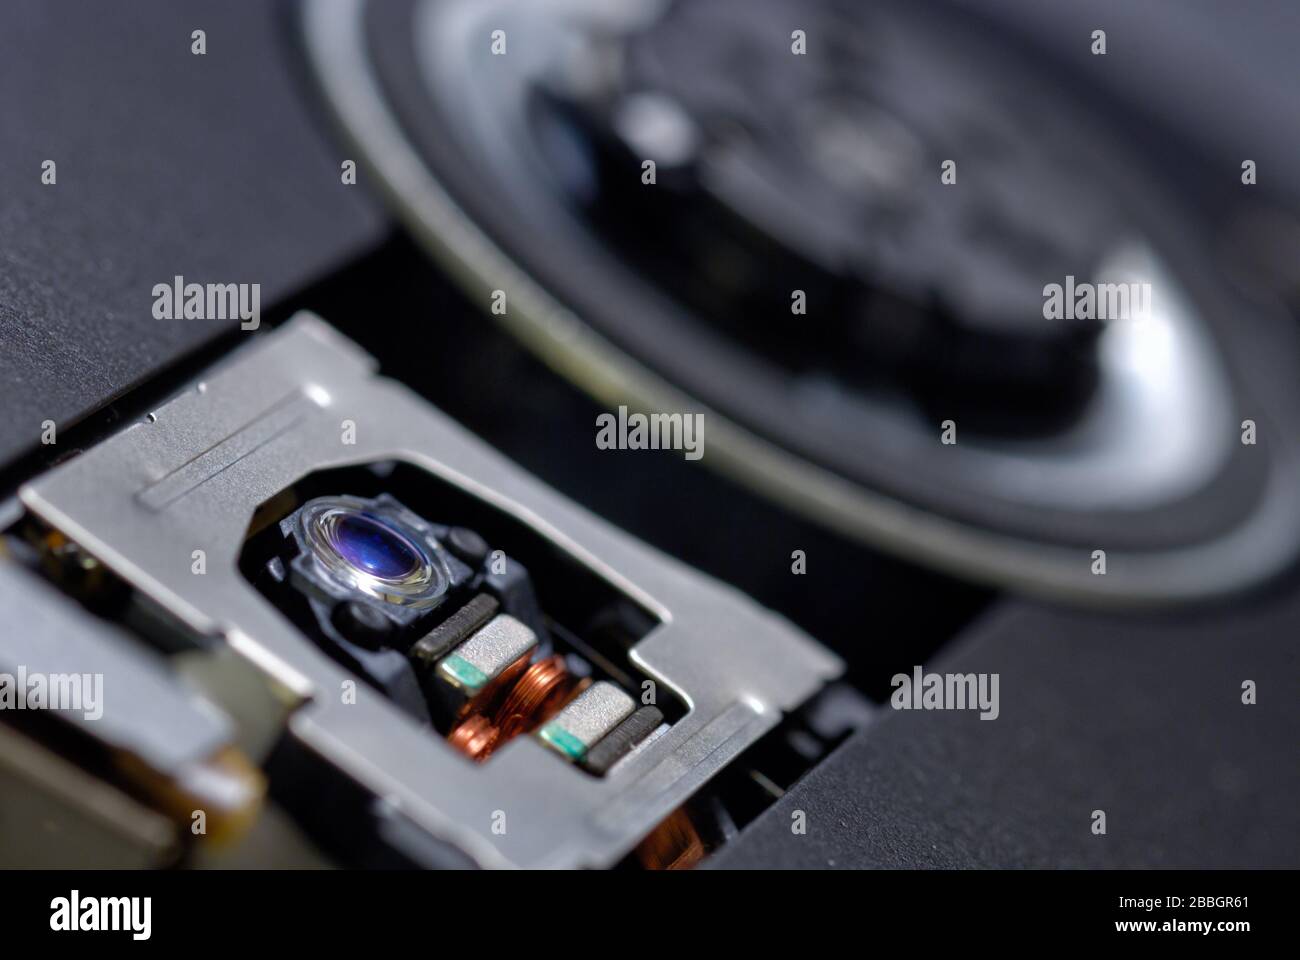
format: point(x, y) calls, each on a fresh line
point(374, 551)
point(373, 546)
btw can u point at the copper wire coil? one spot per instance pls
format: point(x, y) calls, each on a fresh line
point(494, 691)
point(476, 737)
point(673, 845)
point(538, 696)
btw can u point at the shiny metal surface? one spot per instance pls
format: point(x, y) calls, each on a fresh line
point(496, 645)
point(146, 709)
point(736, 666)
point(597, 711)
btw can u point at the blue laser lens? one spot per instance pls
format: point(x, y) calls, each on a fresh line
point(380, 549)
point(374, 547)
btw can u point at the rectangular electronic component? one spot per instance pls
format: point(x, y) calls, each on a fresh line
point(580, 725)
point(623, 740)
point(454, 630)
point(489, 657)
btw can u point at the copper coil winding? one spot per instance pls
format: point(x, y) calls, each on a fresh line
point(476, 737)
point(493, 692)
point(673, 845)
point(537, 697)
point(539, 693)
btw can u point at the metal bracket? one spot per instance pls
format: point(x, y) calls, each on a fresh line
point(189, 477)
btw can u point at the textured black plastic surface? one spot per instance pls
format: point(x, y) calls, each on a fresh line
point(1140, 718)
point(213, 167)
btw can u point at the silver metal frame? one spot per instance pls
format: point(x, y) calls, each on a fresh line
point(189, 477)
